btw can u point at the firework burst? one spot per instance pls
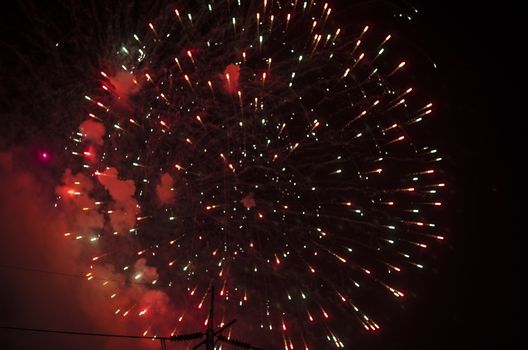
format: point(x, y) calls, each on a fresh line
point(260, 148)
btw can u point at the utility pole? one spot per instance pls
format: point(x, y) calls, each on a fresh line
point(211, 334)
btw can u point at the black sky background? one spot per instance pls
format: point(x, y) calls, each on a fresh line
point(470, 296)
point(473, 298)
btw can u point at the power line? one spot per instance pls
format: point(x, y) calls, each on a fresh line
point(210, 333)
point(82, 333)
point(163, 340)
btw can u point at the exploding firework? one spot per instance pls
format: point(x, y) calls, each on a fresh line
point(260, 148)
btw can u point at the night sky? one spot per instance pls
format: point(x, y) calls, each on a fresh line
point(466, 298)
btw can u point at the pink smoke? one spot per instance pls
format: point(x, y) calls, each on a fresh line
point(47, 268)
point(164, 189)
point(93, 131)
point(125, 207)
point(231, 77)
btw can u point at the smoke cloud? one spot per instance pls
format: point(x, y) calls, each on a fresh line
point(48, 281)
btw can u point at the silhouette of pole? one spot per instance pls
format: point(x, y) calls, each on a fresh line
point(209, 334)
